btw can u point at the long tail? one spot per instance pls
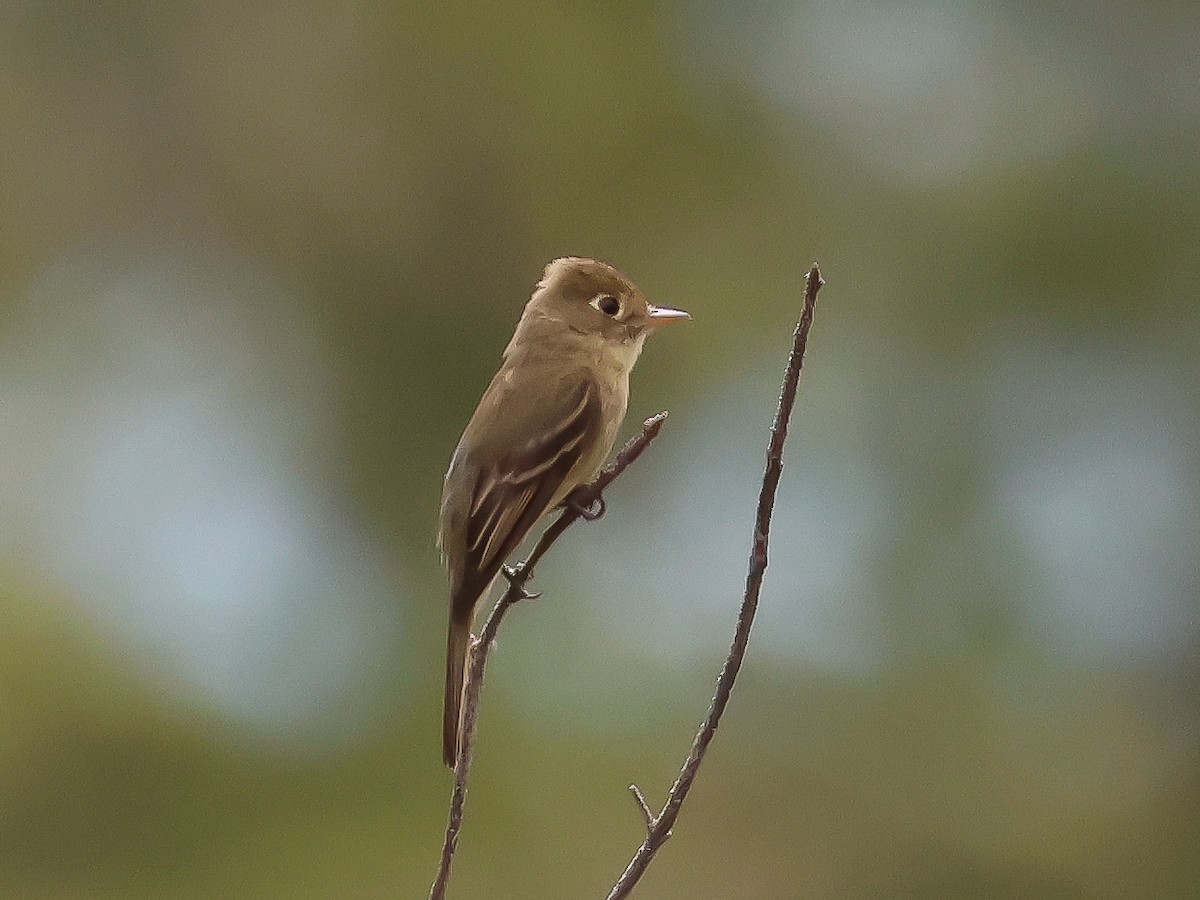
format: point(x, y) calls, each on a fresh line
point(457, 640)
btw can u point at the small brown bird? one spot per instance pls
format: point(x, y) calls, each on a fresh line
point(544, 427)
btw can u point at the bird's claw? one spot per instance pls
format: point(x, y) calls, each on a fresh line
point(595, 508)
point(515, 575)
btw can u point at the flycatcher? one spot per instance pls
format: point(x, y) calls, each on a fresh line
point(544, 427)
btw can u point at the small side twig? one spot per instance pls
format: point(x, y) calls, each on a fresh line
point(580, 505)
point(658, 827)
point(647, 812)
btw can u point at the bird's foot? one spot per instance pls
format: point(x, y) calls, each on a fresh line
point(589, 511)
point(516, 577)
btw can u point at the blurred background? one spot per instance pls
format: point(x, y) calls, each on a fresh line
point(258, 262)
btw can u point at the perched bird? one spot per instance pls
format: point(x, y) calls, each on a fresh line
point(544, 427)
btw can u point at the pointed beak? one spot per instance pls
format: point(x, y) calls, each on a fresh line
point(665, 315)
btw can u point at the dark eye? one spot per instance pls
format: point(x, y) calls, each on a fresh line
point(610, 306)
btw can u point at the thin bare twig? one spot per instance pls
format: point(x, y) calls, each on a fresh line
point(580, 502)
point(658, 828)
point(647, 812)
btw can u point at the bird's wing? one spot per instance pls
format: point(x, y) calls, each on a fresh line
point(510, 496)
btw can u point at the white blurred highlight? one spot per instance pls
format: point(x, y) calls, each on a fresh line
point(170, 465)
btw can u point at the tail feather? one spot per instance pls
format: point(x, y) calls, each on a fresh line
point(457, 641)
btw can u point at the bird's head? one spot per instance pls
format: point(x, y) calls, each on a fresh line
point(590, 302)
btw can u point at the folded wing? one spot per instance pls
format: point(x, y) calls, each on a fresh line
point(511, 496)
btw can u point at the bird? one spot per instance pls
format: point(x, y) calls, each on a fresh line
point(544, 427)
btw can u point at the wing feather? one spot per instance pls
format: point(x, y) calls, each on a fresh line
point(509, 498)
point(504, 525)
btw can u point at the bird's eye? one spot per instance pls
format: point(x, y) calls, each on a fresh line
point(608, 304)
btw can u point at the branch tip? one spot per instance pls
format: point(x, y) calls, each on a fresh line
point(647, 813)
